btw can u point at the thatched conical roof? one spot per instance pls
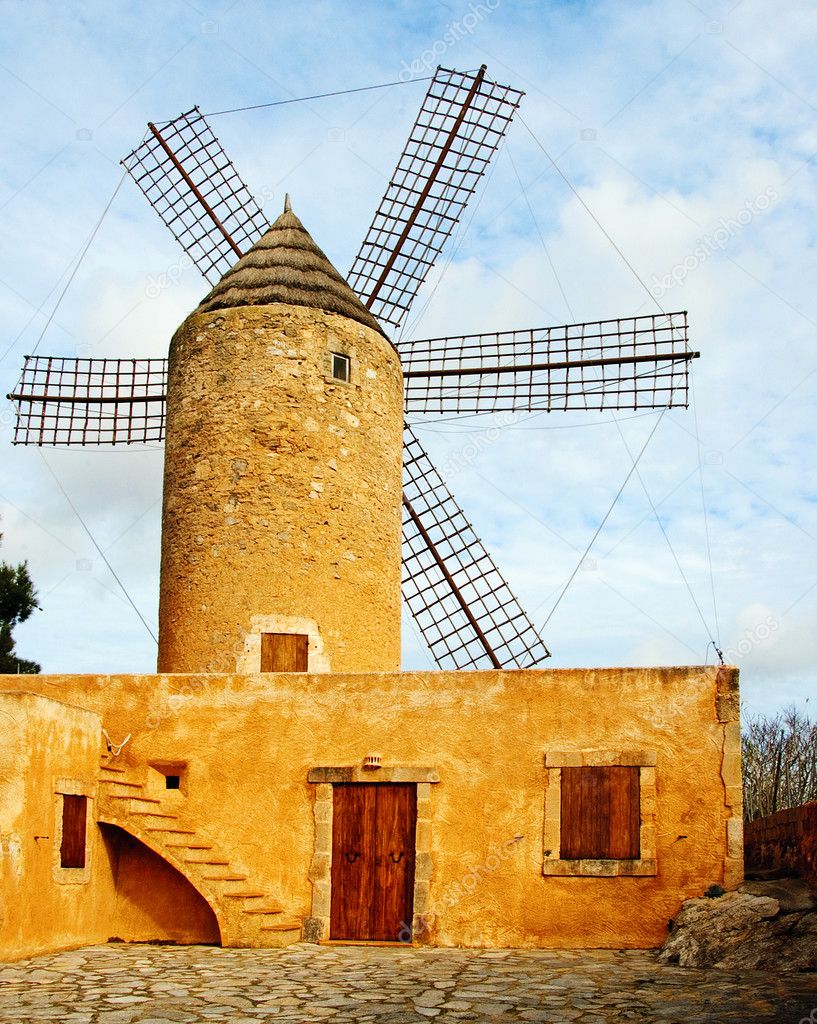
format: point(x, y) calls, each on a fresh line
point(285, 265)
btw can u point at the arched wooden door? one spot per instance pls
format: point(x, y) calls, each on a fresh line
point(373, 830)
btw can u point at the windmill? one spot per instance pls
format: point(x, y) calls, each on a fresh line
point(462, 604)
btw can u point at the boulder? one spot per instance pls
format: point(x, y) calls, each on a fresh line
point(743, 931)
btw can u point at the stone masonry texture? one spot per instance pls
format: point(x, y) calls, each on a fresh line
point(282, 492)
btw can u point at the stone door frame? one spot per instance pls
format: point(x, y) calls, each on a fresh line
point(316, 927)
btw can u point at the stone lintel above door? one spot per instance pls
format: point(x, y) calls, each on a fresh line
point(356, 773)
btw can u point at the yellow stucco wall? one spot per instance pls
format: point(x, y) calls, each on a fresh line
point(47, 748)
point(125, 891)
point(282, 492)
point(249, 743)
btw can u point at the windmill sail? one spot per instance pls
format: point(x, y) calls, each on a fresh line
point(191, 183)
point(628, 363)
point(463, 606)
point(637, 362)
point(62, 401)
point(459, 599)
point(462, 121)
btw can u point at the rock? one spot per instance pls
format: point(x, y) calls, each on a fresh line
point(743, 931)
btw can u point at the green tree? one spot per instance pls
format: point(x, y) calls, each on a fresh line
point(18, 599)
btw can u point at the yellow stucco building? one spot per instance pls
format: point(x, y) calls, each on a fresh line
point(279, 778)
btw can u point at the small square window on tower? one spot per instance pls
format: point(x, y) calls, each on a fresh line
point(341, 367)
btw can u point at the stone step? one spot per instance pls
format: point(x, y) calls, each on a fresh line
point(113, 768)
point(249, 895)
point(188, 846)
point(225, 878)
point(215, 861)
point(121, 782)
point(284, 926)
point(269, 911)
point(139, 799)
point(172, 831)
point(153, 814)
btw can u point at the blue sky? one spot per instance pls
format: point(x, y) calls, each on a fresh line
point(688, 128)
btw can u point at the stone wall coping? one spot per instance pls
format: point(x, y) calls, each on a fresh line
point(475, 678)
point(34, 697)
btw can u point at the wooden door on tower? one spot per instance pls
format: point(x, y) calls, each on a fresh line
point(373, 830)
point(284, 652)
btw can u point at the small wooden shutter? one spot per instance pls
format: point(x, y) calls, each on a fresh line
point(284, 652)
point(72, 849)
point(601, 814)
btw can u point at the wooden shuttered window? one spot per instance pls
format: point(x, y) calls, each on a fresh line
point(72, 848)
point(600, 814)
point(284, 652)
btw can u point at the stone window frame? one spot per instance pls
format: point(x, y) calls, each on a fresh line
point(72, 787)
point(553, 865)
point(317, 926)
point(346, 362)
point(248, 661)
point(337, 347)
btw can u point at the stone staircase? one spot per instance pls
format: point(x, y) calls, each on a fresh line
point(246, 914)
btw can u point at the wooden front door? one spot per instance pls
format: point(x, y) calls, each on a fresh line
point(373, 860)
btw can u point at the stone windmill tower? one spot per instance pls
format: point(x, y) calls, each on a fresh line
point(281, 525)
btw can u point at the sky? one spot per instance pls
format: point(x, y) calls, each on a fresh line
point(687, 128)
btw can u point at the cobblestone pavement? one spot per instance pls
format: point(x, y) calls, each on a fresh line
point(126, 984)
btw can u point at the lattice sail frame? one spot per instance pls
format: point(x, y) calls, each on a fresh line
point(637, 362)
point(628, 363)
point(462, 121)
point(191, 183)
point(465, 610)
point(66, 401)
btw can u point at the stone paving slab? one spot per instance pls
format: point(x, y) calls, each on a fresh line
point(140, 984)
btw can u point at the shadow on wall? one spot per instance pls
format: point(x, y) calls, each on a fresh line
point(154, 902)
